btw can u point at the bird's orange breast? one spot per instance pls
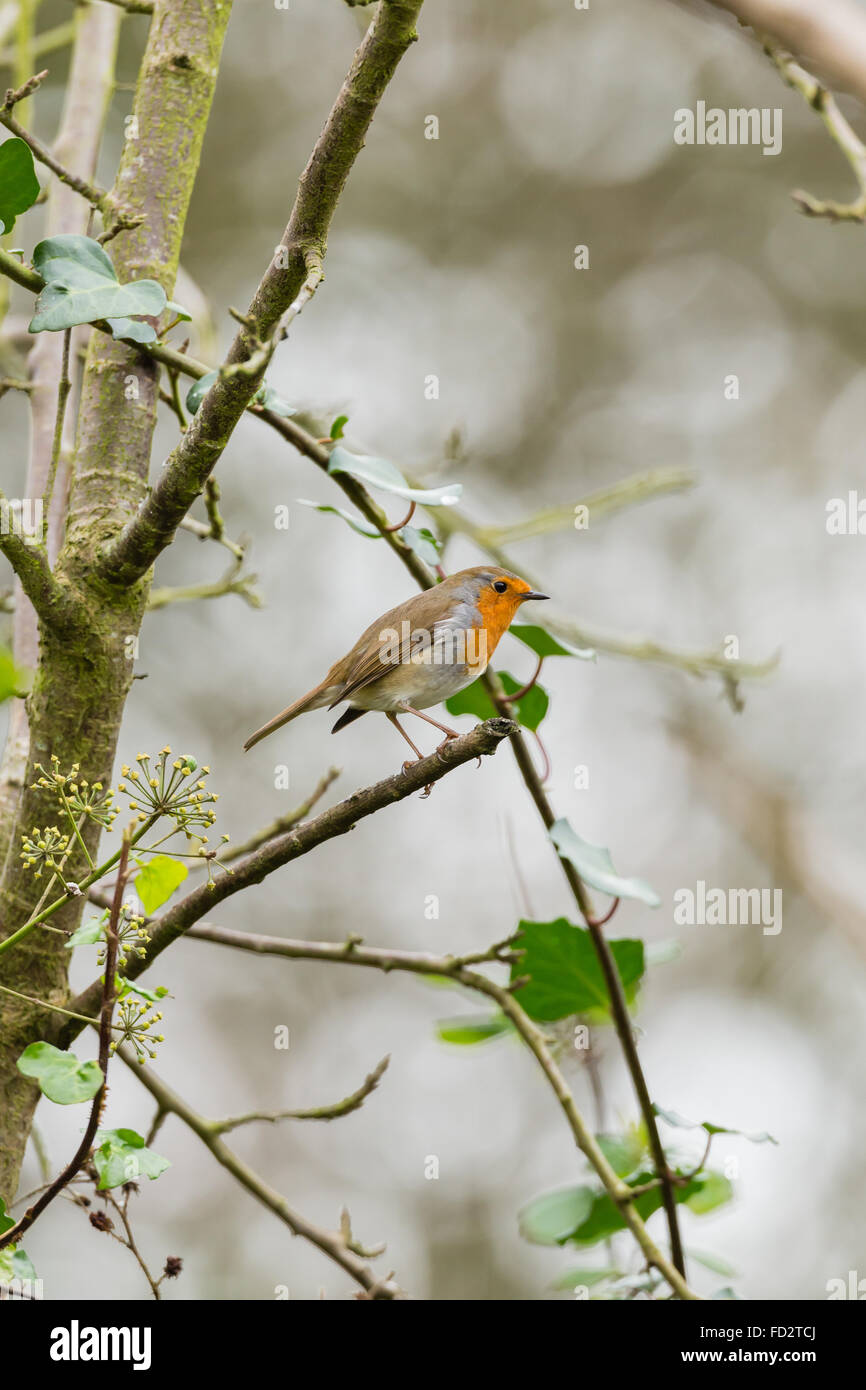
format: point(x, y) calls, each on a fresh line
point(495, 612)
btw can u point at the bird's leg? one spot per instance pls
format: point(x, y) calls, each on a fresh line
point(400, 730)
point(449, 733)
point(417, 751)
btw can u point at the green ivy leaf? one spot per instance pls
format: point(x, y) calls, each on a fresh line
point(595, 866)
point(121, 1156)
point(81, 286)
point(134, 330)
point(530, 709)
point(541, 642)
point(153, 996)
point(423, 543)
point(23, 1266)
point(157, 880)
point(472, 1028)
point(713, 1191)
point(199, 389)
point(585, 1215)
point(623, 1152)
point(671, 1117)
point(62, 1078)
point(88, 933)
point(565, 973)
point(19, 186)
point(6, 1221)
point(551, 1218)
point(381, 474)
point(270, 399)
point(15, 1264)
point(266, 396)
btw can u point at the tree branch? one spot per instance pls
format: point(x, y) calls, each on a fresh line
point(284, 284)
point(282, 823)
point(354, 952)
point(830, 36)
point(331, 1243)
point(53, 603)
point(481, 741)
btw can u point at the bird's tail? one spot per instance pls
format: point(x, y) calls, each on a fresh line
point(314, 699)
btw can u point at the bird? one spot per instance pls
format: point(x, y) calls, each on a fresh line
point(418, 654)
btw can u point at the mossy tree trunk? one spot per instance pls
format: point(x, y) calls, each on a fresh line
point(85, 666)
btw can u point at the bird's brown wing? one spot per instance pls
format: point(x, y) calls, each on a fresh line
point(376, 651)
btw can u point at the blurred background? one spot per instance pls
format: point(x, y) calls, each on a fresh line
point(454, 257)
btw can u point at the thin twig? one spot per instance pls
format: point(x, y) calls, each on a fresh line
point(64, 386)
point(354, 952)
point(94, 195)
point(525, 689)
point(204, 533)
point(619, 1006)
point(232, 582)
point(129, 1242)
point(331, 1243)
point(322, 1112)
point(282, 823)
point(839, 130)
point(398, 526)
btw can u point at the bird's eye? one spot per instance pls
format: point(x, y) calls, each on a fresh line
point(500, 586)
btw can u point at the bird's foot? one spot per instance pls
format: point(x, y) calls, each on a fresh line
point(445, 742)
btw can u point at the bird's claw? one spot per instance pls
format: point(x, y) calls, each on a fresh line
point(413, 762)
point(444, 744)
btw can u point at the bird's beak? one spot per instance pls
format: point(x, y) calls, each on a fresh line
point(533, 593)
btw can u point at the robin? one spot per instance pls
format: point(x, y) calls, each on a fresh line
point(420, 653)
